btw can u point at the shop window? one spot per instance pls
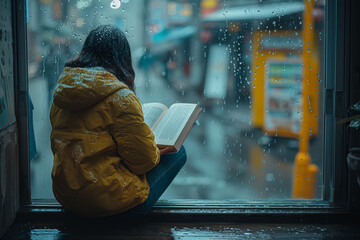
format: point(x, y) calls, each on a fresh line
point(256, 68)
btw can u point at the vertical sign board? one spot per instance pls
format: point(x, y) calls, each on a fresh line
point(269, 45)
point(277, 80)
point(217, 72)
point(283, 91)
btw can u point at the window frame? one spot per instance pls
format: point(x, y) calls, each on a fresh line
point(336, 178)
point(21, 96)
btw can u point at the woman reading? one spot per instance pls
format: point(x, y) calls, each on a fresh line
point(105, 157)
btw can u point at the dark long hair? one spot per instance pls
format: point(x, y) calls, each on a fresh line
point(106, 46)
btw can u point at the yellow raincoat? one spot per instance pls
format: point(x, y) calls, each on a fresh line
point(102, 147)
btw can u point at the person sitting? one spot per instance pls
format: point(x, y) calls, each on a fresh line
point(105, 157)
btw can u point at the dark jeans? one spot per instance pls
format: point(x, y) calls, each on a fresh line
point(160, 178)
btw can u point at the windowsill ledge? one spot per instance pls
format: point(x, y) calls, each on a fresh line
point(292, 211)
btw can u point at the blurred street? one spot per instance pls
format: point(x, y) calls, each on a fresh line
point(245, 68)
point(227, 159)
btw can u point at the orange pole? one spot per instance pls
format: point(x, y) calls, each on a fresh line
point(304, 175)
point(307, 51)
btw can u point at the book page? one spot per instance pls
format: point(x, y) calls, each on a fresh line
point(153, 112)
point(173, 123)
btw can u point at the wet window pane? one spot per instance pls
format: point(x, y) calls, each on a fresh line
point(256, 67)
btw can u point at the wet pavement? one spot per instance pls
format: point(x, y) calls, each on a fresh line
point(227, 158)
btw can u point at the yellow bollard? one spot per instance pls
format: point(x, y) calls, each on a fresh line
point(304, 177)
point(310, 181)
point(302, 161)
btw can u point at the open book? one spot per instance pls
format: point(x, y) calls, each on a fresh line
point(170, 125)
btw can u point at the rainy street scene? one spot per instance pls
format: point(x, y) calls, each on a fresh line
point(255, 67)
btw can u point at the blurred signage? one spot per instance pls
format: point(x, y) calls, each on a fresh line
point(283, 91)
point(169, 20)
point(217, 72)
point(179, 13)
point(282, 42)
point(208, 7)
point(157, 16)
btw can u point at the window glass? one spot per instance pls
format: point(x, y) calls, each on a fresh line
point(256, 67)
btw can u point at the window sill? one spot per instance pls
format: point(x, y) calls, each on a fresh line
point(290, 211)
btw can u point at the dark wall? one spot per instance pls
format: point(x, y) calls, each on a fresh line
point(355, 54)
point(9, 161)
point(354, 97)
point(9, 180)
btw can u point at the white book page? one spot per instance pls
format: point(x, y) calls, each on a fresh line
point(173, 123)
point(153, 112)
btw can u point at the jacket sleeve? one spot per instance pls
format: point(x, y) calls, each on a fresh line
point(135, 140)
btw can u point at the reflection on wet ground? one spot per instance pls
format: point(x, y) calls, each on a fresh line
point(227, 158)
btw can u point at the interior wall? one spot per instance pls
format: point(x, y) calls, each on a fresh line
point(354, 97)
point(9, 160)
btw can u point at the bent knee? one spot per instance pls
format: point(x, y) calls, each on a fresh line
point(182, 155)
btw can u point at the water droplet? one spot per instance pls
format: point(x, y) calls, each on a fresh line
point(115, 4)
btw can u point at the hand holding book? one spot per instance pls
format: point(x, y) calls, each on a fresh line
point(166, 150)
point(171, 125)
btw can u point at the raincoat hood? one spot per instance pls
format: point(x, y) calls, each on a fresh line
point(81, 88)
